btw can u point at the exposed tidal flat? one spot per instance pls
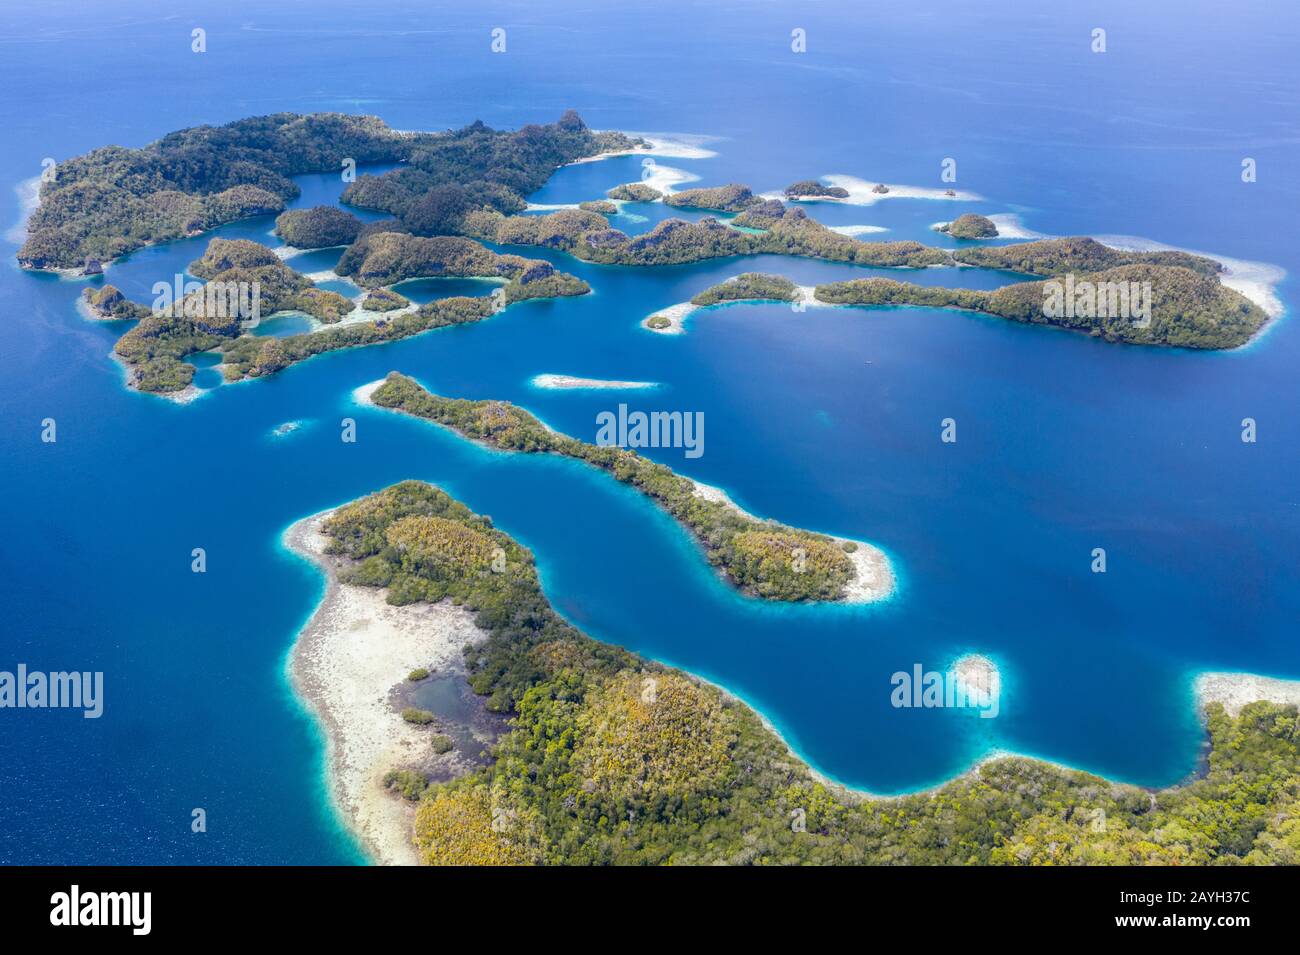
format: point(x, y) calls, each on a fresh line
point(345, 664)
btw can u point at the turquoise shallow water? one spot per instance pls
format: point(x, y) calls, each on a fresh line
point(827, 420)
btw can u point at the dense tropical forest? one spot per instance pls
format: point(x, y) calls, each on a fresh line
point(611, 758)
point(449, 175)
point(812, 189)
point(614, 759)
point(113, 200)
point(762, 558)
point(729, 198)
point(749, 286)
point(459, 186)
point(155, 348)
point(1191, 314)
point(588, 236)
point(970, 226)
point(1076, 254)
point(320, 227)
point(634, 192)
point(1188, 309)
point(462, 186)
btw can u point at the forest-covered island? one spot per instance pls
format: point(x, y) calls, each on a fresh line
point(593, 770)
point(154, 349)
point(1189, 307)
point(456, 189)
point(114, 200)
point(613, 759)
point(762, 558)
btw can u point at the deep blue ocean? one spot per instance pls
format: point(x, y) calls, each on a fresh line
point(827, 420)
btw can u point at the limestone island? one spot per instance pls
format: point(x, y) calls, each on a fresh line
point(766, 226)
point(320, 227)
point(1189, 307)
point(1185, 308)
point(761, 558)
point(635, 192)
point(612, 759)
point(114, 200)
point(970, 226)
point(385, 300)
point(750, 287)
point(811, 189)
point(458, 189)
point(108, 304)
point(154, 349)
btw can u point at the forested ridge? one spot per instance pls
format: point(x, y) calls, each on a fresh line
point(763, 558)
point(613, 759)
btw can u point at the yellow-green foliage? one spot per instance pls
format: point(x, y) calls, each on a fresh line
point(1279, 842)
point(240, 355)
point(439, 544)
point(455, 827)
point(270, 357)
point(750, 286)
point(109, 302)
point(323, 304)
point(545, 230)
point(653, 736)
point(730, 198)
point(614, 760)
point(635, 192)
point(823, 573)
point(1189, 309)
point(503, 424)
point(970, 226)
point(214, 314)
point(113, 200)
point(1076, 254)
point(773, 557)
point(385, 300)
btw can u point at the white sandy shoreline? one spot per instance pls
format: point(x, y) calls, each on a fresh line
point(861, 192)
point(805, 296)
point(355, 649)
point(1257, 281)
point(873, 577)
point(665, 145)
